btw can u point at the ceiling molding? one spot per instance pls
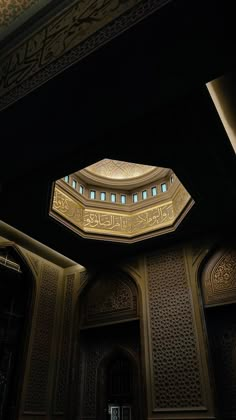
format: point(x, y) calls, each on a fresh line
point(65, 39)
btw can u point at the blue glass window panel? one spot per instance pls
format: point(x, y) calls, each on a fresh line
point(103, 196)
point(154, 191)
point(163, 187)
point(92, 194)
point(123, 199)
point(144, 194)
point(135, 198)
point(113, 197)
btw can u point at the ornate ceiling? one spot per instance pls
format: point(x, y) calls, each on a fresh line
point(65, 35)
point(140, 210)
point(116, 169)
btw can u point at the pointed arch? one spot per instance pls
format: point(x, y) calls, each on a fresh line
point(217, 284)
point(16, 260)
point(117, 353)
point(111, 321)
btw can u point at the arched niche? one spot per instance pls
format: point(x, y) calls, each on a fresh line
point(109, 297)
point(17, 292)
point(109, 314)
point(217, 277)
point(118, 384)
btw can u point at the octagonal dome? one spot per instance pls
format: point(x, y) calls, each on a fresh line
point(120, 201)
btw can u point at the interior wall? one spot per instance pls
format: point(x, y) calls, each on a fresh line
point(218, 284)
point(175, 365)
point(93, 349)
point(173, 341)
point(43, 389)
point(108, 324)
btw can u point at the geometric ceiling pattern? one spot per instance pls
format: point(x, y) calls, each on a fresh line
point(116, 169)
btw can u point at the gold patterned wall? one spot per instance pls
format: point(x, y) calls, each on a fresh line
point(119, 224)
point(36, 393)
point(172, 344)
point(65, 39)
point(177, 373)
point(43, 390)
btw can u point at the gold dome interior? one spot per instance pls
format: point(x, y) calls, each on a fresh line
point(120, 201)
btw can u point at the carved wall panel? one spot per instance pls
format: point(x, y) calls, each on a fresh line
point(96, 345)
point(111, 296)
point(62, 380)
point(176, 380)
point(37, 386)
point(219, 278)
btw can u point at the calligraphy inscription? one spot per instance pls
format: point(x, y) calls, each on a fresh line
point(131, 224)
point(58, 37)
point(65, 39)
point(68, 208)
point(108, 222)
